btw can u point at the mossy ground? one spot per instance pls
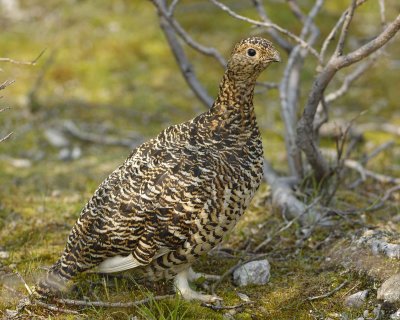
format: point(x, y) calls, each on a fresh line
point(113, 73)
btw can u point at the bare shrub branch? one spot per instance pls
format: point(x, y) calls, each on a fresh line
point(290, 90)
point(33, 62)
point(287, 46)
point(284, 31)
point(382, 12)
point(181, 58)
point(306, 137)
point(113, 304)
point(351, 77)
point(345, 28)
point(167, 15)
point(334, 30)
point(6, 83)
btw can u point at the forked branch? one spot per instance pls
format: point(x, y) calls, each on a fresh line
point(278, 28)
point(306, 137)
point(180, 56)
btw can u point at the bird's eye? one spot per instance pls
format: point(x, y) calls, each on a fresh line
point(251, 52)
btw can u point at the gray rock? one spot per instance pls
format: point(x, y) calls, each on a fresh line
point(254, 272)
point(67, 154)
point(56, 138)
point(390, 289)
point(357, 299)
point(4, 254)
point(395, 316)
point(379, 243)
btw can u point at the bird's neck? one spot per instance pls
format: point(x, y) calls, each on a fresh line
point(234, 104)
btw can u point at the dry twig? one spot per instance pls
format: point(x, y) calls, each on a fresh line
point(167, 15)
point(72, 129)
point(352, 164)
point(220, 307)
point(54, 307)
point(273, 33)
point(286, 32)
point(353, 76)
point(328, 294)
point(113, 304)
point(33, 62)
point(6, 83)
point(180, 56)
point(289, 90)
point(306, 138)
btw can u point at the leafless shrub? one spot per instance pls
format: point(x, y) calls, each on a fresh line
point(305, 158)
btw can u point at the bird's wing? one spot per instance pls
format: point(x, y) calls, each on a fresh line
point(149, 203)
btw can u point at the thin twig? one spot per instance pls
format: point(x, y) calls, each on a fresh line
point(281, 229)
point(33, 62)
point(219, 307)
point(166, 14)
point(289, 90)
point(294, 7)
point(113, 304)
point(54, 307)
point(6, 137)
point(172, 7)
point(345, 28)
point(181, 58)
point(6, 83)
point(286, 32)
point(23, 281)
point(352, 164)
point(353, 76)
point(334, 30)
point(287, 46)
point(382, 12)
point(306, 138)
point(328, 294)
point(378, 150)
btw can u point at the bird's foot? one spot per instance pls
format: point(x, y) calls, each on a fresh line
point(181, 283)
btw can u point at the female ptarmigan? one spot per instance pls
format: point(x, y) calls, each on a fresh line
point(176, 195)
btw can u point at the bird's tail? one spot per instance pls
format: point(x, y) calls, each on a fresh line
point(53, 284)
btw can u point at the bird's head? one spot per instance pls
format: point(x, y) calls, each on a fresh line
point(250, 57)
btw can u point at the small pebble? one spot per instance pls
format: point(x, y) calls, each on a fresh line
point(357, 299)
point(254, 272)
point(4, 255)
point(56, 138)
point(389, 291)
point(395, 316)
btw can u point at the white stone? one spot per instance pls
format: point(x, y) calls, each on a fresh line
point(4, 255)
point(56, 138)
point(390, 289)
point(357, 299)
point(254, 272)
point(395, 316)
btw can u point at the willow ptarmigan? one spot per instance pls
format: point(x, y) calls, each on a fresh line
point(176, 195)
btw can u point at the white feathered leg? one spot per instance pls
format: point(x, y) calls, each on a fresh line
point(193, 276)
point(181, 283)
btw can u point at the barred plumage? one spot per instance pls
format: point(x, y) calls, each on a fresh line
point(176, 195)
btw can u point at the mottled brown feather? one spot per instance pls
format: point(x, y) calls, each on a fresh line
point(182, 190)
